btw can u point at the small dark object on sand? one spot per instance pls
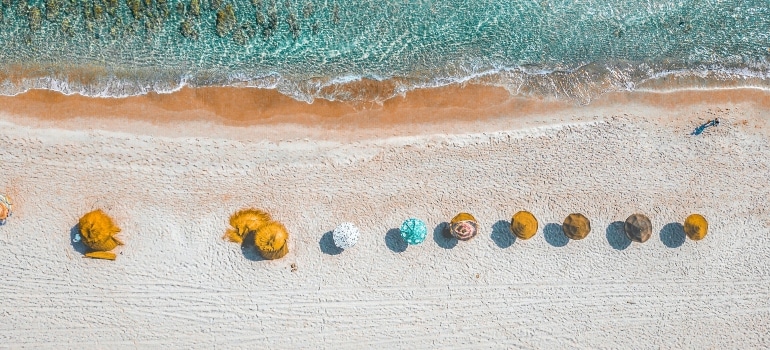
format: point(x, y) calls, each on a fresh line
point(699, 130)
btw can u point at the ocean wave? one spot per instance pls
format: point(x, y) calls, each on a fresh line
point(579, 84)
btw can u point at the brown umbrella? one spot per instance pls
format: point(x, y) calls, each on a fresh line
point(576, 226)
point(463, 227)
point(638, 228)
point(524, 225)
point(696, 227)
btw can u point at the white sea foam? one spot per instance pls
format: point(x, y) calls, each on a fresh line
point(580, 84)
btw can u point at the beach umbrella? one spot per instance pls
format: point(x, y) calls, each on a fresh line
point(638, 228)
point(271, 240)
point(244, 221)
point(413, 231)
point(463, 227)
point(6, 208)
point(576, 226)
point(345, 235)
point(97, 230)
point(524, 225)
point(696, 227)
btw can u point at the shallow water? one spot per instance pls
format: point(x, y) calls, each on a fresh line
point(310, 49)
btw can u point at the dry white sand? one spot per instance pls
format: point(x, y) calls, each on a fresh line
point(177, 284)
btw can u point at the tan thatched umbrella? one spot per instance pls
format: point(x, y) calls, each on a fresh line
point(98, 233)
point(271, 240)
point(463, 227)
point(696, 227)
point(524, 225)
point(638, 228)
point(576, 226)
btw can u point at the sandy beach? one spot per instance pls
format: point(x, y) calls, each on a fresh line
point(172, 168)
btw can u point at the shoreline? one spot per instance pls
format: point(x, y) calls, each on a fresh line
point(271, 115)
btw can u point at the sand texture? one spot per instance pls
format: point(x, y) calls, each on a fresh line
point(176, 283)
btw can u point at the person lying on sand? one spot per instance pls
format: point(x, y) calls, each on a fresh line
point(699, 130)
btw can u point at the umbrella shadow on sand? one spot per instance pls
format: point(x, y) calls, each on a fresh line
point(327, 244)
point(442, 237)
point(394, 241)
point(554, 235)
point(616, 236)
point(77, 241)
point(672, 235)
point(249, 249)
point(501, 234)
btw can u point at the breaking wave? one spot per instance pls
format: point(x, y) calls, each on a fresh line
point(579, 85)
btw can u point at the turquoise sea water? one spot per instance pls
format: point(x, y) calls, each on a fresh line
point(310, 48)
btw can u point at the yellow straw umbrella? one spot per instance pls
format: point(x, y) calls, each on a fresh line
point(5, 208)
point(524, 225)
point(244, 221)
point(271, 240)
point(98, 232)
point(696, 227)
point(270, 236)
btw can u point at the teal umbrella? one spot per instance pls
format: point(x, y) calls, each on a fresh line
point(414, 231)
